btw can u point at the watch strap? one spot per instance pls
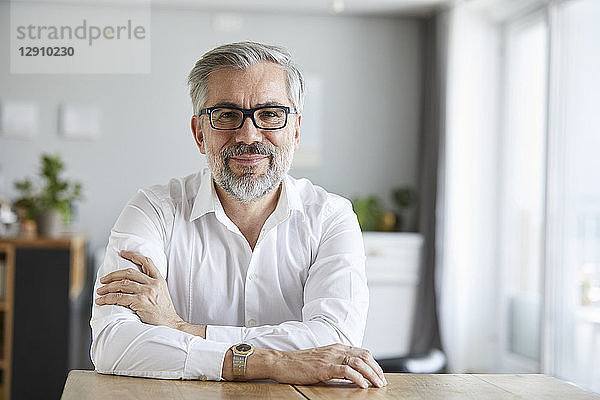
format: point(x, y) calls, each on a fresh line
point(239, 367)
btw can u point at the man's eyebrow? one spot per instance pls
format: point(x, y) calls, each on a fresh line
point(270, 103)
point(226, 104)
point(265, 104)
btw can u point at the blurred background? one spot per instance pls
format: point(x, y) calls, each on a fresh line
point(465, 132)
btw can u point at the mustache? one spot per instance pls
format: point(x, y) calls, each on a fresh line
point(254, 148)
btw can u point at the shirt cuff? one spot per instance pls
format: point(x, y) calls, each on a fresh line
point(225, 334)
point(205, 360)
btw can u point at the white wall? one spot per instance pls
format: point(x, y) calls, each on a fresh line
point(371, 73)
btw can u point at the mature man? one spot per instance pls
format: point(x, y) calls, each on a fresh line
point(238, 271)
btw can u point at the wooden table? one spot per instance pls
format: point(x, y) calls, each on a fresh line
point(88, 385)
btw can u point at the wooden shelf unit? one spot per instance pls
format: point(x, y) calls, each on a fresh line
point(7, 257)
point(32, 301)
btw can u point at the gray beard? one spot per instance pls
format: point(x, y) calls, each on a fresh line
point(249, 186)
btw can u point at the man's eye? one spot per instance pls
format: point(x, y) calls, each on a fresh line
point(226, 115)
point(270, 114)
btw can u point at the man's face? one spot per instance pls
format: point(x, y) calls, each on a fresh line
point(248, 162)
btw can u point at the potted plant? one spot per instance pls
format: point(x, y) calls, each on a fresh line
point(405, 199)
point(50, 201)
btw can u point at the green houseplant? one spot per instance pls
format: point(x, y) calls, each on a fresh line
point(49, 201)
point(405, 199)
point(371, 215)
point(369, 212)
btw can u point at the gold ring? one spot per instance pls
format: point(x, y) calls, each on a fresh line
point(346, 360)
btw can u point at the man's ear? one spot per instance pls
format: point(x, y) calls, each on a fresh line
point(297, 133)
point(196, 125)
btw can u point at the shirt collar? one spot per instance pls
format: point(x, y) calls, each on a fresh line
point(206, 199)
point(289, 194)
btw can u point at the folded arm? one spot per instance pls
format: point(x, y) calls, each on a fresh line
point(124, 344)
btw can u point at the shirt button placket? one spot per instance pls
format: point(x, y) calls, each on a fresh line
point(250, 293)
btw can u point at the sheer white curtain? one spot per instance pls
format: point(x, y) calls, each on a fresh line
point(467, 293)
point(572, 317)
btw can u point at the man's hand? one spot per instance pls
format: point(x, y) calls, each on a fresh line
point(310, 366)
point(144, 292)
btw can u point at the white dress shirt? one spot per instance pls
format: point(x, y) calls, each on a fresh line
point(303, 286)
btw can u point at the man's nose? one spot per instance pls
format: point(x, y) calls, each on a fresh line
point(248, 133)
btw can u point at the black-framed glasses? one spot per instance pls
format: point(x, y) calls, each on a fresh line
point(231, 118)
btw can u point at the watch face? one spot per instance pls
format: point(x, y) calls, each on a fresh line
point(243, 348)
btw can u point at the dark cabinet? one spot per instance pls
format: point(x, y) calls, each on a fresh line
point(39, 314)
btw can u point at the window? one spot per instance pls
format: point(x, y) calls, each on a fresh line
point(519, 269)
point(523, 188)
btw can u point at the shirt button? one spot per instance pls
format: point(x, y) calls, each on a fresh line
point(202, 377)
point(252, 276)
point(252, 323)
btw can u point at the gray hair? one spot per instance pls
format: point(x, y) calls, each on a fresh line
point(242, 55)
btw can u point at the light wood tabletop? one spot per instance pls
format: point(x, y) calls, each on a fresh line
point(88, 385)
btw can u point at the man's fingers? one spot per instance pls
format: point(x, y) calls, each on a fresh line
point(367, 357)
point(119, 299)
point(145, 263)
point(123, 286)
point(129, 274)
point(346, 372)
point(365, 370)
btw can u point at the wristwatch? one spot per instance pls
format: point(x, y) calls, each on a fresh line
point(241, 352)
